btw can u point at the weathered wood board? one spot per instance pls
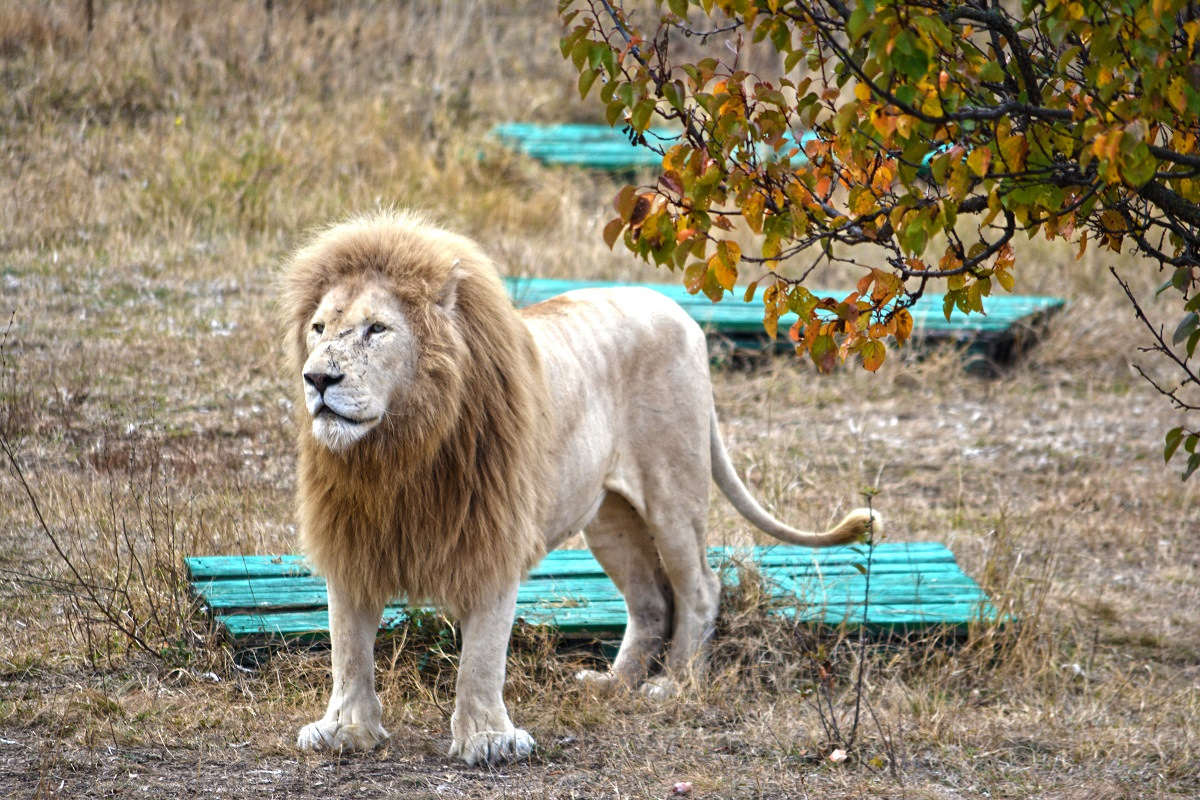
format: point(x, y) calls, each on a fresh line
point(913, 587)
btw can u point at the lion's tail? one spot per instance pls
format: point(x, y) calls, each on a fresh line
point(854, 527)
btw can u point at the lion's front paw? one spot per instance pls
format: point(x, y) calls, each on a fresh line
point(336, 738)
point(493, 747)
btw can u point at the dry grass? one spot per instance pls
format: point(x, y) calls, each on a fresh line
point(153, 174)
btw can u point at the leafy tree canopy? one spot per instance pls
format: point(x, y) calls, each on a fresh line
point(938, 133)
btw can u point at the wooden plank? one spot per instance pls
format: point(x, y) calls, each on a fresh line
point(313, 625)
point(309, 591)
point(923, 617)
point(738, 318)
point(912, 586)
point(580, 562)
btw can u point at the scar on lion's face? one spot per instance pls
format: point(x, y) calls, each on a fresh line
point(360, 350)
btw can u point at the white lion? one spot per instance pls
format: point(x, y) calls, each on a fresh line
point(448, 441)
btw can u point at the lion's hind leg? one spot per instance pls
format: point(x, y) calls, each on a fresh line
point(620, 540)
point(679, 526)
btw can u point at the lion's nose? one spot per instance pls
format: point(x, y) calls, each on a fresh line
point(321, 380)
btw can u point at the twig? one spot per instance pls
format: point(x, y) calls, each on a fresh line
point(88, 588)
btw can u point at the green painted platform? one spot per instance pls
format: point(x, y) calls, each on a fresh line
point(590, 146)
point(598, 146)
point(913, 588)
point(1010, 325)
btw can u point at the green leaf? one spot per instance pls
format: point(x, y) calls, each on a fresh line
point(793, 58)
point(859, 22)
point(586, 79)
point(678, 7)
point(1187, 326)
point(1192, 465)
point(781, 36)
point(824, 352)
point(1174, 438)
point(640, 118)
point(992, 72)
point(693, 277)
point(614, 110)
point(672, 94)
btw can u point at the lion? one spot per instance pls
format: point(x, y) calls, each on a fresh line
point(447, 441)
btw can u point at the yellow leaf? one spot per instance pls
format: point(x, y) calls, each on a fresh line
point(771, 321)
point(861, 200)
point(979, 160)
point(752, 210)
point(1013, 150)
point(724, 264)
point(1177, 95)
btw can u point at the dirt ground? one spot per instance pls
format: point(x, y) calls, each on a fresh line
point(154, 174)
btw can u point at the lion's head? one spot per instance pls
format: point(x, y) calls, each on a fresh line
point(361, 350)
point(420, 434)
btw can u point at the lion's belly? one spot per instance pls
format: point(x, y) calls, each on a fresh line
point(624, 367)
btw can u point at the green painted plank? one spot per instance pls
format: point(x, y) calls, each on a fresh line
point(309, 592)
point(564, 562)
point(314, 625)
point(610, 617)
point(737, 318)
point(912, 586)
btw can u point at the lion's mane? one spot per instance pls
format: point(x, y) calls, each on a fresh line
point(442, 501)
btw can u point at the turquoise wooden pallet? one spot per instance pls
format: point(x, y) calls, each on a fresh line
point(590, 146)
point(604, 148)
point(1009, 325)
point(598, 146)
point(913, 587)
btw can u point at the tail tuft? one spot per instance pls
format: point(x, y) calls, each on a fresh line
point(857, 526)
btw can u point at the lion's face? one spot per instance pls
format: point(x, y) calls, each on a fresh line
point(361, 351)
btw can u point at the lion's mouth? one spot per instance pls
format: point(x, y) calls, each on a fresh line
point(326, 411)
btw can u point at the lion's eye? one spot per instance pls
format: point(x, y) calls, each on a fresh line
point(378, 327)
point(318, 327)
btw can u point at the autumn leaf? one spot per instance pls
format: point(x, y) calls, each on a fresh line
point(873, 354)
point(824, 353)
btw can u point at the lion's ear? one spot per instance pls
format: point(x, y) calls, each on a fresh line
point(447, 296)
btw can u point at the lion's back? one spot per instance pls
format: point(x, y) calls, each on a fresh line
point(627, 327)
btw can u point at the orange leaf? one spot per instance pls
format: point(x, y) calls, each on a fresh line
point(873, 354)
point(904, 325)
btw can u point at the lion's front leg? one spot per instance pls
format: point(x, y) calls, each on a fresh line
point(352, 720)
point(481, 730)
